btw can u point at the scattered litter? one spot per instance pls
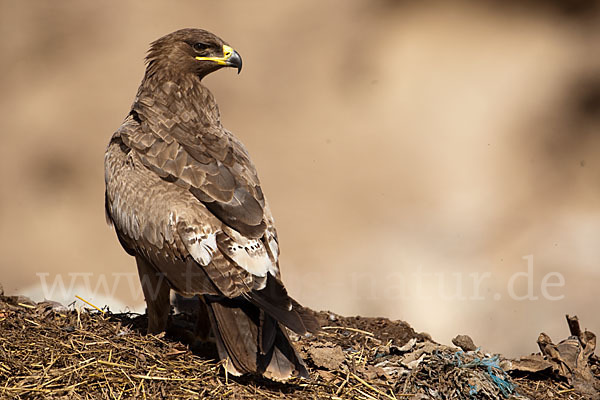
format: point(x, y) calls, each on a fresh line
point(407, 347)
point(535, 363)
point(572, 358)
point(51, 351)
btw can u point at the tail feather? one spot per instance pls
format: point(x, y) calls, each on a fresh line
point(252, 340)
point(274, 300)
point(235, 327)
point(285, 361)
point(267, 332)
point(307, 316)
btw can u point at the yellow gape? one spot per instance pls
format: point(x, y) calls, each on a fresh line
point(227, 53)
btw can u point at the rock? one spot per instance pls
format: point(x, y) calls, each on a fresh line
point(370, 372)
point(328, 356)
point(464, 342)
point(326, 376)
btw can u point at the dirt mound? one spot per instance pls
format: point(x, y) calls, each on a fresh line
point(48, 350)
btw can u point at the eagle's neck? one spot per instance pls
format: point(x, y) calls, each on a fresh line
point(183, 99)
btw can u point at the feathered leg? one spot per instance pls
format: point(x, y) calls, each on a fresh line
point(202, 329)
point(156, 293)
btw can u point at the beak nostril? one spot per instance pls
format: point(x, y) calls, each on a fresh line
point(227, 52)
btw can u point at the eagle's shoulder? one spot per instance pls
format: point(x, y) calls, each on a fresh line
point(167, 219)
point(193, 152)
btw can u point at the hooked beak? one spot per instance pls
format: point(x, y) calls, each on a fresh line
point(231, 58)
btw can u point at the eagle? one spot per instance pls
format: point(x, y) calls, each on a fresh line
point(185, 200)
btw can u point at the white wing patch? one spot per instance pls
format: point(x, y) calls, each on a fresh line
point(202, 248)
point(199, 242)
point(249, 254)
point(252, 256)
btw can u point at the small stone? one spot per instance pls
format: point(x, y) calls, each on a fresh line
point(464, 342)
point(326, 376)
point(371, 372)
point(141, 357)
point(328, 356)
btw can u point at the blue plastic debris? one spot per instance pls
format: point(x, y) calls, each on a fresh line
point(472, 390)
point(496, 373)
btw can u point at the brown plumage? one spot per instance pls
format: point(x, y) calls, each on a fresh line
point(186, 201)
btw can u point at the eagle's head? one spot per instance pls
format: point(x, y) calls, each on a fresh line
point(190, 51)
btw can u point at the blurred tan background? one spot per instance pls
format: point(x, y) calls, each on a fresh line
point(413, 153)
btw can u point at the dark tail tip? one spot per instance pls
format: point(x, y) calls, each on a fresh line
point(252, 341)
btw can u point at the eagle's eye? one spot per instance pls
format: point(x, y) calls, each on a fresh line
point(200, 47)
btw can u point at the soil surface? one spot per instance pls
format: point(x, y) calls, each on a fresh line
point(51, 351)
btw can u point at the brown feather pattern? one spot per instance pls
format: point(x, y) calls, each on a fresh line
point(185, 199)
